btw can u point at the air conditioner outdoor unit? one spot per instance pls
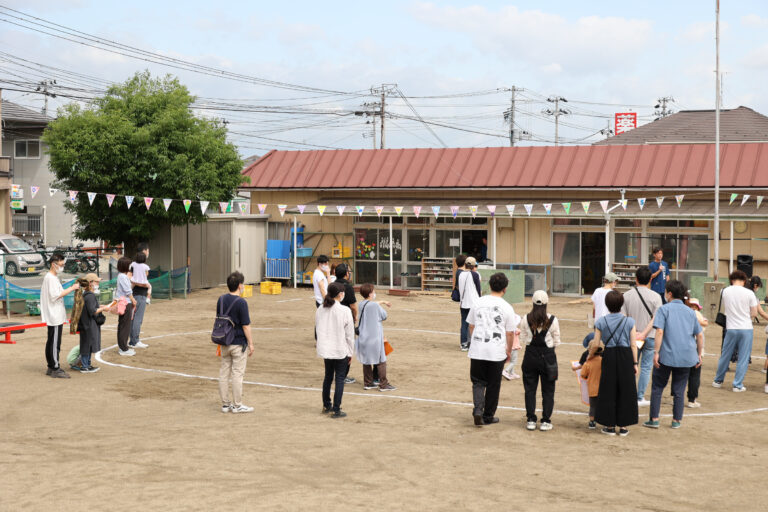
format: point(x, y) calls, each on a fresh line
point(534, 282)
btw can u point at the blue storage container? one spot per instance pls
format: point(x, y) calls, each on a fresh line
point(278, 249)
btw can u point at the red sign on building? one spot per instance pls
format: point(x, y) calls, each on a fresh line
point(625, 121)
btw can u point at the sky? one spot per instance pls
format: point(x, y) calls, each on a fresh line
point(603, 57)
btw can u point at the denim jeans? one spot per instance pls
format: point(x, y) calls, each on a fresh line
point(464, 327)
point(645, 358)
point(335, 371)
point(138, 318)
point(735, 338)
point(679, 381)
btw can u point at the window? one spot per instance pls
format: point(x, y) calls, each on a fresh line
point(627, 248)
point(372, 250)
point(27, 149)
point(447, 243)
point(371, 219)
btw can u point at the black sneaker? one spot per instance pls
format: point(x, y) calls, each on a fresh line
point(58, 373)
point(349, 380)
point(478, 420)
point(623, 432)
point(592, 425)
point(78, 368)
point(328, 409)
point(49, 371)
point(609, 431)
point(490, 421)
point(339, 414)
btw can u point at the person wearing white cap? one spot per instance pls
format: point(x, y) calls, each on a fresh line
point(599, 309)
point(541, 334)
point(469, 291)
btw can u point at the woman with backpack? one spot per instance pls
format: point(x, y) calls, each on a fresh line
point(335, 344)
point(617, 400)
point(369, 346)
point(541, 334)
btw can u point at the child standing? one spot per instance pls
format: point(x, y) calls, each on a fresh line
point(142, 292)
point(591, 371)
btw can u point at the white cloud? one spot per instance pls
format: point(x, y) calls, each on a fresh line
point(552, 68)
point(754, 20)
point(591, 43)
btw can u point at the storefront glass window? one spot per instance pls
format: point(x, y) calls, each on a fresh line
point(397, 244)
point(366, 244)
point(447, 243)
point(566, 247)
point(384, 274)
point(693, 252)
point(627, 248)
point(365, 272)
point(418, 244)
point(565, 280)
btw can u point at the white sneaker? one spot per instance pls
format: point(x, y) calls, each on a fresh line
point(694, 404)
point(129, 352)
point(506, 375)
point(643, 403)
point(241, 409)
point(515, 376)
point(141, 344)
point(766, 388)
point(226, 408)
point(545, 426)
point(531, 425)
point(716, 384)
point(739, 390)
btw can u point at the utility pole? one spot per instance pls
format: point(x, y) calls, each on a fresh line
point(43, 87)
point(384, 90)
point(717, 140)
point(509, 115)
point(661, 107)
point(556, 112)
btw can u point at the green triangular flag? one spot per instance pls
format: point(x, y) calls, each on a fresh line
point(187, 204)
point(733, 198)
point(567, 208)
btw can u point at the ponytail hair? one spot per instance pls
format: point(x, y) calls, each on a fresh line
point(333, 291)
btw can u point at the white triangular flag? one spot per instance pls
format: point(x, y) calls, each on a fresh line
point(129, 201)
point(679, 200)
point(528, 208)
point(641, 202)
point(436, 211)
point(281, 208)
point(34, 190)
point(110, 199)
point(360, 210)
point(52, 191)
point(511, 209)
point(473, 211)
point(548, 207)
point(759, 201)
point(604, 205)
point(204, 206)
point(585, 205)
point(91, 197)
point(744, 199)
point(659, 200)
point(262, 207)
point(223, 205)
point(340, 209)
point(167, 203)
point(623, 203)
point(492, 209)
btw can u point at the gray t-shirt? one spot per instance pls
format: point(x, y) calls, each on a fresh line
point(633, 307)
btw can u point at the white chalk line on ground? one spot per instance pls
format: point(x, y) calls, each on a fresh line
point(370, 395)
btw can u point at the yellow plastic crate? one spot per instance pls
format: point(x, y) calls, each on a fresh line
point(247, 291)
point(271, 288)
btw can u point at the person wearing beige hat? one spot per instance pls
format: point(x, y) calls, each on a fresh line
point(598, 297)
point(89, 325)
point(469, 290)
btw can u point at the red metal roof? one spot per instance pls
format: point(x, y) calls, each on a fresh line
point(652, 166)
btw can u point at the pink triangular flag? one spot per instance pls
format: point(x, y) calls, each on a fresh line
point(340, 209)
point(110, 199)
point(262, 208)
point(604, 205)
point(492, 209)
point(454, 211)
point(528, 209)
point(148, 202)
point(301, 208)
point(417, 211)
point(223, 205)
point(72, 196)
point(378, 209)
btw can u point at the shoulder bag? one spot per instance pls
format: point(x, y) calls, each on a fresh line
point(359, 320)
point(455, 295)
point(720, 319)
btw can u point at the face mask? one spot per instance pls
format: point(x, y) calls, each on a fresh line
point(373, 296)
point(95, 289)
point(341, 297)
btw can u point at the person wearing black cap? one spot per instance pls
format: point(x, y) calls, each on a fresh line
point(343, 274)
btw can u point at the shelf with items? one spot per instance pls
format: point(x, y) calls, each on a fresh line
point(437, 273)
point(626, 274)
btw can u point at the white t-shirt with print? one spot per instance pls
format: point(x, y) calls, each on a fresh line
point(317, 278)
point(493, 318)
point(737, 301)
point(598, 299)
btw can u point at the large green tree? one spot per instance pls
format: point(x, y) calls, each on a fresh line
point(140, 139)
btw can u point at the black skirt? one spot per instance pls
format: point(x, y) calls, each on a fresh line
point(617, 397)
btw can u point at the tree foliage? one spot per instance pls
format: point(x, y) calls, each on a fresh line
point(140, 139)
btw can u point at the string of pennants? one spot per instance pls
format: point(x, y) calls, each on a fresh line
point(72, 195)
point(510, 208)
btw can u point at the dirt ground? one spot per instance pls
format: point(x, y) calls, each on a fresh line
point(126, 439)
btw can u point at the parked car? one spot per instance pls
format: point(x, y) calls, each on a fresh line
point(20, 257)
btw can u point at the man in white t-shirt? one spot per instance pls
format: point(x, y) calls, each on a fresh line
point(320, 281)
point(740, 306)
point(54, 314)
point(492, 325)
point(599, 308)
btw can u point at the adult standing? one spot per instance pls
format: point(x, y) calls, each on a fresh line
point(617, 398)
point(469, 291)
point(234, 357)
point(492, 325)
point(125, 303)
point(640, 304)
point(320, 281)
point(54, 314)
point(141, 287)
point(599, 309)
point(740, 306)
point(659, 273)
point(460, 260)
point(541, 334)
point(679, 344)
point(343, 276)
point(335, 344)
point(91, 320)
point(369, 346)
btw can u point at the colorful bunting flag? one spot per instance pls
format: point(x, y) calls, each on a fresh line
point(167, 203)
point(110, 199)
point(72, 196)
point(417, 211)
point(436, 211)
point(567, 208)
point(641, 202)
point(492, 209)
point(528, 208)
point(281, 208)
point(321, 209)
point(262, 208)
point(511, 209)
point(659, 200)
point(223, 205)
point(733, 198)
point(585, 205)
point(91, 197)
point(148, 202)
point(623, 203)
point(398, 210)
point(744, 199)
point(204, 206)
point(301, 208)
point(34, 190)
point(378, 209)
point(244, 207)
point(52, 191)
point(473, 211)
point(679, 200)
point(548, 207)
point(454, 211)
point(759, 200)
point(604, 206)
point(360, 210)
point(341, 209)
point(187, 203)
point(129, 201)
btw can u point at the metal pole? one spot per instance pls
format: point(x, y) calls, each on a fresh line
point(717, 140)
point(391, 252)
point(607, 243)
point(186, 281)
point(730, 260)
point(557, 120)
point(512, 119)
point(7, 299)
point(383, 99)
point(295, 236)
point(170, 285)
point(494, 242)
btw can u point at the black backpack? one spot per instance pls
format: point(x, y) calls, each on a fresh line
point(223, 327)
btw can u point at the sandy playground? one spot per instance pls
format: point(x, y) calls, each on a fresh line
point(145, 437)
